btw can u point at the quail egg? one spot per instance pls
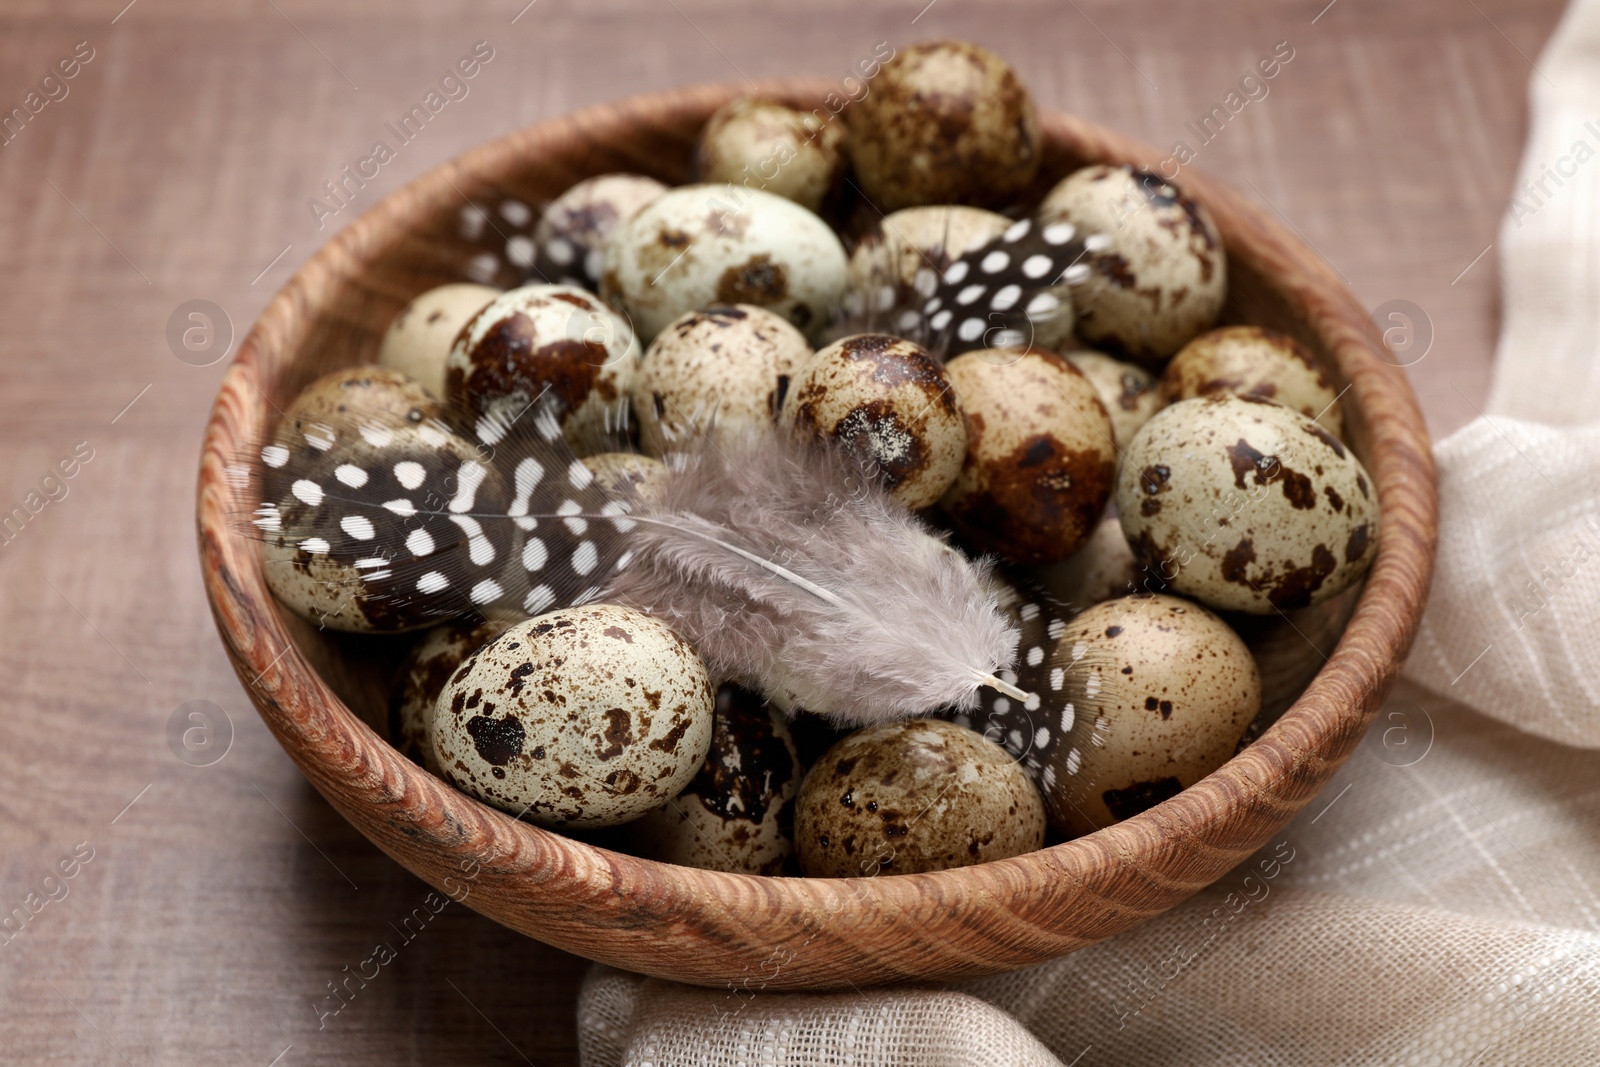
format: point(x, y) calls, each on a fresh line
point(542, 344)
point(1128, 391)
point(765, 144)
point(890, 402)
point(914, 795)
point(700, 245)
point(419, 339)
point(585, 717)
point(1158, 272)
point(720, 371)
point(1041, 455)
point(1256, 362)
point(945, 122)
point(1246, 505)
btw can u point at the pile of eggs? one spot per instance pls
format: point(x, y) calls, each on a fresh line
point(1164, 494)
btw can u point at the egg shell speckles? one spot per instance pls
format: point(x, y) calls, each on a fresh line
point(627, 472)
point(427, 667)
point(945, 122)
point(765, 144)
point(737, 814)
point(1256, 362)
point(1041, 457)
point(917, 239)
point(915, 795)
point(1246, 505)
point(1182, 688)
point(720, 371)
point(554, 341)
point(1129, 392)
point(575, 228)
point(888, 400)
point(1163, 276)
point(700, 245)
point(342, 397)
point(585, 717)
point(418, 340)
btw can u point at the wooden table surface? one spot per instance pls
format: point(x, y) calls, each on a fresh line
point(221, 900)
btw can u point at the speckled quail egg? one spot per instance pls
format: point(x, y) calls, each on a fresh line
point(737, 814)
point(1041, 455)
point(890, 402)
point(342, 578)
point(1246, 505)
point(343, 399)
point(914, 795)
point(765, 144)
point(627, 472)
point(1103, 569)
point(427, 667)
point(720, 371)
point(913, 246)
point(419, 339)
point(1158, 272)
point(573, 232)
point(584, 717)
point(945, 122)
point(700, 245)
point(1128, 391)
point(545, 343)
point(1165, 688)
point(1256, 362)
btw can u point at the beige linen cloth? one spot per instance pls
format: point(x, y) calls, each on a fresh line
point(1439, 903)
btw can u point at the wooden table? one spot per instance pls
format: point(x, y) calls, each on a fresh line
point(221, 900)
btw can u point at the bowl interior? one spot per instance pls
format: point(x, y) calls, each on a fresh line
point(326, 695)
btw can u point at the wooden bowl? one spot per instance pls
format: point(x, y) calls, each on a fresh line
point(783, 933)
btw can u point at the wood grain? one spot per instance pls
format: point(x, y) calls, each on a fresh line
point(213, 912)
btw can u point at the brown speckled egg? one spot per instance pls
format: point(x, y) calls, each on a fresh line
point(913, 246)
point(914, 795)
point(552, 342)
point(585, 717)
point(720, 371)
point(1171, 689)
point(1104, 568)
point(573, 232)
point(1256, 362)
point(342, 398)
point(1246, 505)
point(1128, 391)
point(761, 143)
point(738, 813)
point(1041, 455)
point(945, 122)
point(427, 667)
point(418, 340)
point(627, 472)
point(1158, 272)
point(700, 245)
point(889, 401)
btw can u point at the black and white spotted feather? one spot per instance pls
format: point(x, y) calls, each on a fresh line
point(508, 252)
point(784, 564)
point(991, 297)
